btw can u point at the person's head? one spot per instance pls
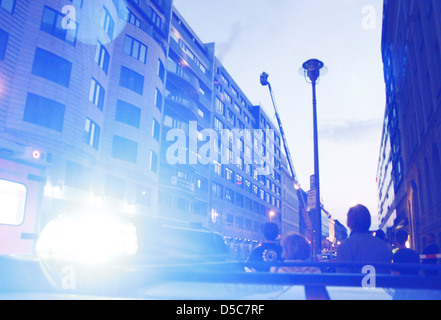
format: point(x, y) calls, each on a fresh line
point(401, 236)
point(359, 219)
point(271, 231)
point(296, 247)
point(430, 238)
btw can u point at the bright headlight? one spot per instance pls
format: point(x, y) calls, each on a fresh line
point(87, 239)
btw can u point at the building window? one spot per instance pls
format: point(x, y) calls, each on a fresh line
point(229, 195)
point(157, 20)
point(8, 5)
point(131, 80)
point(124, 149)
point(44, 112)
point(216, 190)
point(156, 130)
point(158, 99)
point(133, 19)
point(107, 23)
point(128, 113)
point(52, 24)
point(153, 162)
point(136, 49)
point(52, 67)
point(229, 219)
point(220, 106)
point(161, 71)
point(3, 43)
point(218, 169)
point(96, 94)
point(218, 125)
point(229, 174)
point(92, 136)
point(102, 57)
point(239, 200)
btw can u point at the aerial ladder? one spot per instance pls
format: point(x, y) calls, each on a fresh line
point(264, 81)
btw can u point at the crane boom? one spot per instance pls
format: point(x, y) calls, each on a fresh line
point(264, 81)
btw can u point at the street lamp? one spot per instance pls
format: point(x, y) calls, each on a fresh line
point(272, 214)
point(312, 70)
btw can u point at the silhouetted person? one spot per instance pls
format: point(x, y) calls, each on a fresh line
point(403, 254)
point(431, 248)
point(269, 252)
point(362, 246)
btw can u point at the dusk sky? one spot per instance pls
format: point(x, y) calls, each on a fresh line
point(276, 37)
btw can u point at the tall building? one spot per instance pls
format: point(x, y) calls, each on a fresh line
point(290, 203)
point(409, 174)
point(184, 183)
point(117, 105)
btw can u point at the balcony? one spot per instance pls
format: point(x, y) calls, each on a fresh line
point(180, 105)
point(181, 79)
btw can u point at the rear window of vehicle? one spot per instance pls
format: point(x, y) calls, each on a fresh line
point(13, 200)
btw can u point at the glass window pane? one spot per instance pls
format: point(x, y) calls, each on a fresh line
point(13, 200)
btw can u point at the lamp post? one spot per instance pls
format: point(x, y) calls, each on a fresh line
point(312, 69)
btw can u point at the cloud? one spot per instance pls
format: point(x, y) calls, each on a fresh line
point(350, 131)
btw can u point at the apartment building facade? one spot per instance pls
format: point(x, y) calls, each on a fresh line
point(409, 174)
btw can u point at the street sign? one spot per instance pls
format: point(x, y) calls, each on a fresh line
point(312, 202)
point(312, 182)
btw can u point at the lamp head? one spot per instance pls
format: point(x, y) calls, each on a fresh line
point(313, 69)
point(264, 79)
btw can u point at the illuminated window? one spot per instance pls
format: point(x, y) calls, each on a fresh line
point(13, 200)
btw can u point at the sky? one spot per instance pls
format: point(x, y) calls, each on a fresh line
point(276, 37)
